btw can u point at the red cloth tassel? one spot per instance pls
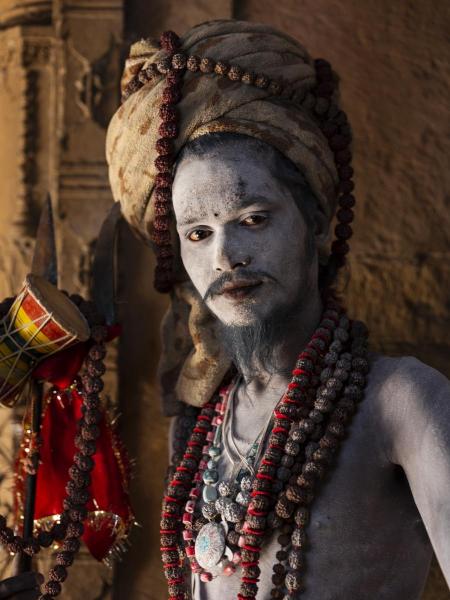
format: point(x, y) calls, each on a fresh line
point(110, 514)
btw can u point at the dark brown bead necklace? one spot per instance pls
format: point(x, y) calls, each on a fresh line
point(70, 528)
point(337, 400)
point(308, 423)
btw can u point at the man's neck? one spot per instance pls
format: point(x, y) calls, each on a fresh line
point(257, 380)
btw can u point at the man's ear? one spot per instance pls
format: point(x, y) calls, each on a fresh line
point(321, 227)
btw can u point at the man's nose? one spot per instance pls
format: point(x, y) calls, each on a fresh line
point(228, 256)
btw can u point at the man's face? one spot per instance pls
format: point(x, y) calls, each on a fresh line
point(242, 237)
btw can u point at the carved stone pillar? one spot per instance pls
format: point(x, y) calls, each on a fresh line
point(59, 74)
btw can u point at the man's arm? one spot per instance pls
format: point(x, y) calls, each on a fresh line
point(419, 421)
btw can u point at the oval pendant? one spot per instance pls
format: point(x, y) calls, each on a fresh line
point(210, 545)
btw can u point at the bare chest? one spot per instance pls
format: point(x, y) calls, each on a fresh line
point(365, 536)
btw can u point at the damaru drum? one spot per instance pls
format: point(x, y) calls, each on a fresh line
point(41, 322)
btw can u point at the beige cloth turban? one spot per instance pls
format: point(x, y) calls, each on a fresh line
point(192, 364)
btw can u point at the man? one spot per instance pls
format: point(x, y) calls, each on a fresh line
point(251, 168)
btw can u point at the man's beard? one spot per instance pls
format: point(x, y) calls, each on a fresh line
point(252, 348)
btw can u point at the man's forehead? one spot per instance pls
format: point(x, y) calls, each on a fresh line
point(219, 184)
point(193, 212)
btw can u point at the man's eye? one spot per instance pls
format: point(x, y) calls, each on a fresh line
point(198, 234)
point(253, 220)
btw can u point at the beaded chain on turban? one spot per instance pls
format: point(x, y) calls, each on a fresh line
point(331, 120)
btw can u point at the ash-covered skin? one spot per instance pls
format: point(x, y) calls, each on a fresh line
point(229, 212)
point(389, 492)
point(239, 224)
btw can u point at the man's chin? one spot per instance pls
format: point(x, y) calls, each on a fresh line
point(238, 315)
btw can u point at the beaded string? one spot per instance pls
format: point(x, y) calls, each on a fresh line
point(188, 470)
point(70, 527)
point(296, 398)
point(318, 101)
point(175, 499)
point(343, 381)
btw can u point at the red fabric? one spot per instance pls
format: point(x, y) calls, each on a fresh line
point(111, 473)
point(62, 367)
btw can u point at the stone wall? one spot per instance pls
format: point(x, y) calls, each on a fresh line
point(60, 67)
point(60, 62)
point(391, 59)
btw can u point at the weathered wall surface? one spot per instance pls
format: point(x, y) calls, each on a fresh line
point(391, 59)
point(59, 73)
point(59, 70)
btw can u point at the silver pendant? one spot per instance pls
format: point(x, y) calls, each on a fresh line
point(210, 545)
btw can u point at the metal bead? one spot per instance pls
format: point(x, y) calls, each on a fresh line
point(221, 68)
point(243, 498)
point(273, 519)
point(210, 476)
point(341, 334)
point(227, 488)
point(209, 493)
point(209, 510)
point(275, 88)
point(283, 508)
point(301, 516)
point(233, 512)
point(344, 364)
point(246, 483)
point(316, 416)
point(341, 374)
point(357, 378)
point(306, 425)
point(214, 452)
point(221, 503)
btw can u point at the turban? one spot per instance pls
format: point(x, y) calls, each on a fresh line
point(192, 363)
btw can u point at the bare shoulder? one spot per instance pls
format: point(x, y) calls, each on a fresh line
point(406, 396)
point(405, 372)
point(403, 379)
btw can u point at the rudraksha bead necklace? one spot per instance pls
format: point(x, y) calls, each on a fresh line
point(309, 420)
point(225, 501)
point(70, 527)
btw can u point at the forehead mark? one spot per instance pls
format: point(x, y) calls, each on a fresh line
point(189, 216)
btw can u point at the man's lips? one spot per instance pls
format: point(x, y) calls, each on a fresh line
point(239, 288)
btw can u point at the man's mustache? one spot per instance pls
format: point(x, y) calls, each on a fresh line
point(248, 275)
